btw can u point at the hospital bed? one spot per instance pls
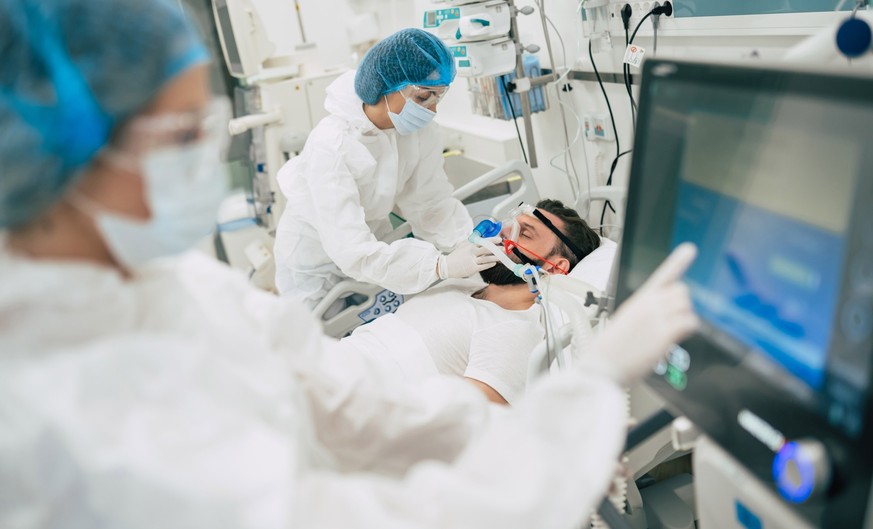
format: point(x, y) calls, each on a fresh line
point(372, 301)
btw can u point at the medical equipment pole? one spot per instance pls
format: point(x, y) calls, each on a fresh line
point(519, 74)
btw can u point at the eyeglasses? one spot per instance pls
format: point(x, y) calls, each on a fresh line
point(426, 96)
point(146, 133)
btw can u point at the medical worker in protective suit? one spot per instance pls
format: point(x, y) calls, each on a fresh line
point(374, 152)
point(144, 388)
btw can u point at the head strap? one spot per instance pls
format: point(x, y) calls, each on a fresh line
point(564, 239)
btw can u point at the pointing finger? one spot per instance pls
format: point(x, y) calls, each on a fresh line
point(673, 266)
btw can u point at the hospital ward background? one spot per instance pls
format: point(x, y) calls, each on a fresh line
point(577, 145)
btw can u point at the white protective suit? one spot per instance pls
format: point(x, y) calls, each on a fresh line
point(185, 398)
point(340, 191)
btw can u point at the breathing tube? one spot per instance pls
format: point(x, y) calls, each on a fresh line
point(488, 228)
point(485, 230)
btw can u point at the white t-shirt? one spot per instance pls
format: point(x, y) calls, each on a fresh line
point(445, 330)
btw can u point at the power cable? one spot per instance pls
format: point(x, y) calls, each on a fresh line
point(514, 120)
point(618, 153)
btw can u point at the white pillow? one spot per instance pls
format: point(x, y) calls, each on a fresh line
point(594, 269)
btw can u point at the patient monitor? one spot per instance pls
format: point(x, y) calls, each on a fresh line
point(770, 172)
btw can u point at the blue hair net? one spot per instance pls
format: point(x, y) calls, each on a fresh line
point(70, 71)
point(410, 56)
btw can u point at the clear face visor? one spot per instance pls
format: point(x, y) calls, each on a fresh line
point(426, 96)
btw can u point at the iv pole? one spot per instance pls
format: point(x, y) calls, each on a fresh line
point(522, 83)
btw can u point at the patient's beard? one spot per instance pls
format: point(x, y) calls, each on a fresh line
point(500, 275)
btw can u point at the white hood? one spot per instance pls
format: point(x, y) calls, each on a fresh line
point(344, 103)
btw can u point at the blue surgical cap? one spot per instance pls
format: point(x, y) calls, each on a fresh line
point(410, 56)
point(70, 72)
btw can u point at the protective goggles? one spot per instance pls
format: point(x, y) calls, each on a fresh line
point(515, 229)
point(426, 96)
point(143, 134)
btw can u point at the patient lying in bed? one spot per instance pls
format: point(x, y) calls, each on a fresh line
point(481, 330)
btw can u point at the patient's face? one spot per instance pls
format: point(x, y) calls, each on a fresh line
point(534, 237)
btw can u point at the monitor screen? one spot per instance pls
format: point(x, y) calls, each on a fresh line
point(771, 223)
point(769, 173)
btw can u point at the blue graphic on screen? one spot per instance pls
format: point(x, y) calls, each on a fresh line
point(768, 280)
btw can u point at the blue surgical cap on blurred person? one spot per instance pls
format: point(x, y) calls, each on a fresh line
point(70, 72)
point(410, 56)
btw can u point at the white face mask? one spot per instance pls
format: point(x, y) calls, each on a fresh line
point(184, 186)
point(412, 118)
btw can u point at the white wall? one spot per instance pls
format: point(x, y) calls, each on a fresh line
point(325, 23)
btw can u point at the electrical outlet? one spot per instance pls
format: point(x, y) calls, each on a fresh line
point(639, 10)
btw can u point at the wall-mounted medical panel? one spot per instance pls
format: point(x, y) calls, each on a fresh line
point(469, 23)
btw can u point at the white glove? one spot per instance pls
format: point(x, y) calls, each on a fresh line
point(464, 261)
point(658, 315)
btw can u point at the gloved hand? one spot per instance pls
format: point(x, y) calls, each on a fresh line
point(658, 315)
point(464, 261)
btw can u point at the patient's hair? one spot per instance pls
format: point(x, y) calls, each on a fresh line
point(575, 229)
